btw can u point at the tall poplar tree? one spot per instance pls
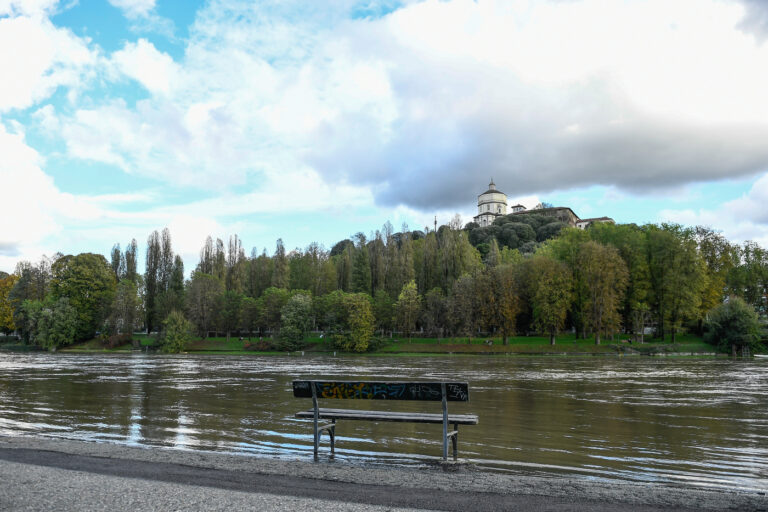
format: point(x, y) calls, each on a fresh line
point(151, 280)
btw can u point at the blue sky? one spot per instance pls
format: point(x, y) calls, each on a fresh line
point(312, 121)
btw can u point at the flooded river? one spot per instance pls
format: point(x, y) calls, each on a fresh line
point(696, 421)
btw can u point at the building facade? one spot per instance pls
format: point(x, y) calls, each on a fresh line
point(490, 204)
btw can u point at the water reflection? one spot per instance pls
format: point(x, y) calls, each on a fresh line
point(688, 420)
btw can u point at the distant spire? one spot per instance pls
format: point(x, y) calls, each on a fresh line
point(492, 185)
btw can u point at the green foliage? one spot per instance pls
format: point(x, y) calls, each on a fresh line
point(732, 325)
point(6, 308)
point(249, 314)
point(176, 333)
point(383, 310)
point(203, 291)
point(272, 302)
point(296, 318)
point(551, 294)
point(359, 323)
point(51, 323)
point(408, 308)
point(88, 281)
point(227, 311)
point(125, 308)
point(435, 311)
point(361, 268)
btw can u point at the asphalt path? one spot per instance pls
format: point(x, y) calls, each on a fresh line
point(43, 474)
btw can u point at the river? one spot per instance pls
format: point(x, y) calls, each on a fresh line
point(701, 422)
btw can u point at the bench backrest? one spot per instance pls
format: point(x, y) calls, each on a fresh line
point(454, 391)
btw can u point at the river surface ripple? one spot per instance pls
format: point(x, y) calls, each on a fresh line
point(701, 422)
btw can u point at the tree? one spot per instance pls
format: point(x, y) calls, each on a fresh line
point(435, 311)
point(605, 279)
point(508, 300)
point(118, 262)
point(6, 307)
point(296, 318)
point(236, 265)
point(361, 267)
point(733, 325)
point(383, 310)
point(272, 302)
point(176, 333)
point(201, 300)
point(259, 273)
point(51, 323)
point(130, 261)
point(280, 268)
point(358, 323)
point(249, 315)
point(88, 282)
point(125, 308)
point(551, 295)
point(463, 307)
point(408, 308)
point(228, 309)
point(152, 284)
point(677, 276)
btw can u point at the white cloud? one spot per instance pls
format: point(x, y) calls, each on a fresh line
point(153, 69)
point(27, 7)
point(134, 8)
point(741, 219)
point(37, 58)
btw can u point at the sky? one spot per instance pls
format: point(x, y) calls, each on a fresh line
point(311, 121)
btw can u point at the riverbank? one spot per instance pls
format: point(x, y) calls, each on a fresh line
point(46, 473)
point(567, 345)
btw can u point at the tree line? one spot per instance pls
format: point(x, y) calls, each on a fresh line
point(525, 274)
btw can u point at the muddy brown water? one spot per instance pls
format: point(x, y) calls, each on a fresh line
point(701, 422)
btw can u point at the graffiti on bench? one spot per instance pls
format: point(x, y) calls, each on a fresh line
point(456, 392)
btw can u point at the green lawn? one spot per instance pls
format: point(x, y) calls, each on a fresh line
point(565, 344)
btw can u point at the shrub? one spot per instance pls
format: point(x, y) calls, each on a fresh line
point(259, 346)
point(291, 338)
point(116, 340)
point(176, 334)
point(732, 325)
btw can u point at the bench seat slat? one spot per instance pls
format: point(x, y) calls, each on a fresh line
point(409, 417)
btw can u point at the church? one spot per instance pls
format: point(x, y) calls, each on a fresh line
point(492, 204)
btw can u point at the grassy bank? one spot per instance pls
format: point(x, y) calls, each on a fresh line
point(566, 344)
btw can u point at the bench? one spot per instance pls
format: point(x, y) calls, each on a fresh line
point(423, 391)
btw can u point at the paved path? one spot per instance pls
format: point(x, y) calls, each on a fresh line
point(44, 474)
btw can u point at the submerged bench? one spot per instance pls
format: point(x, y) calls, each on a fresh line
point(423, 391)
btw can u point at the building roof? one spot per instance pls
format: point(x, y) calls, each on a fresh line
point(492, 191)
point(596, 219)
point(544, 211)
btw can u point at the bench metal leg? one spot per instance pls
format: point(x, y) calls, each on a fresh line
point(445, 422)
point(455, 441)
point(315, 422)
point(332, 433)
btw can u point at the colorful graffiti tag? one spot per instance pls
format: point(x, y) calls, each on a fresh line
point(455, 391)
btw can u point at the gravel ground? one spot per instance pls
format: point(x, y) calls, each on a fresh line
point(46, 473)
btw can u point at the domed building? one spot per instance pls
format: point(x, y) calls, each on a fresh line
point(490, 204)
